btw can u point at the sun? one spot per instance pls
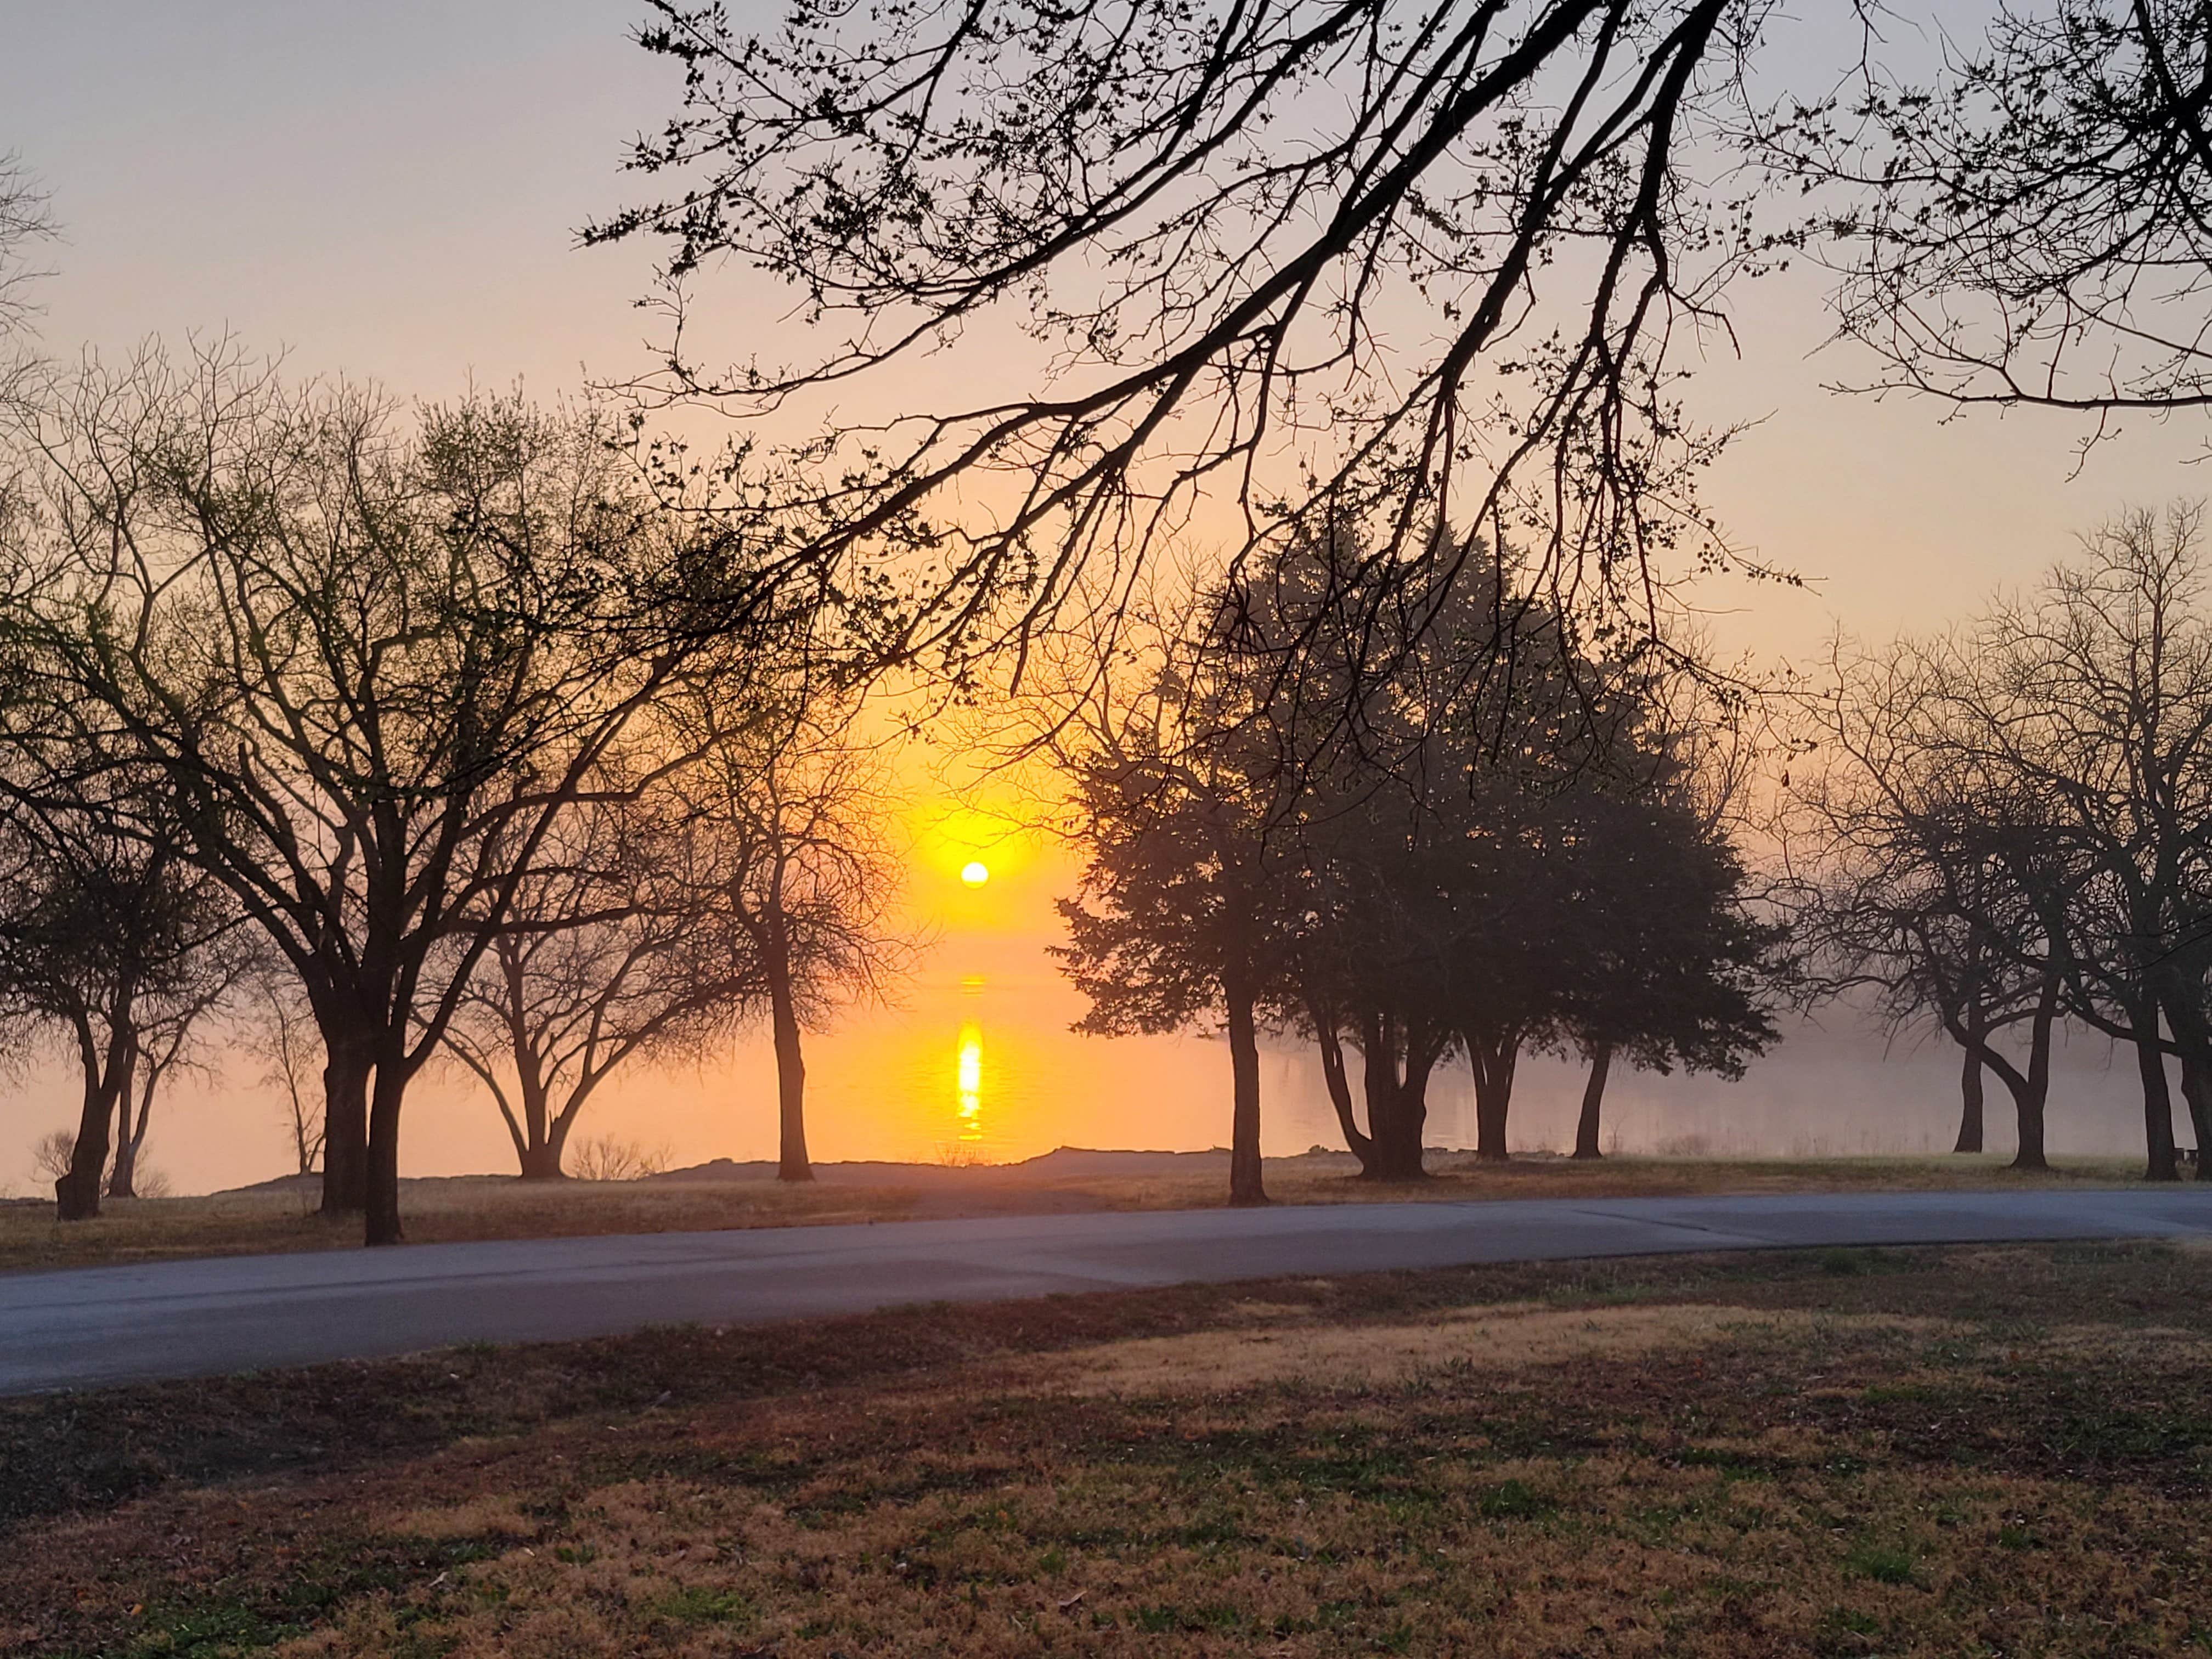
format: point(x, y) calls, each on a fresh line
point(975, 872)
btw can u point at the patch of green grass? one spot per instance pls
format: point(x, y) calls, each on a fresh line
point(1512, 1500)
point(1735, 1465)
point(1886, 1564)
point(1399, 1639)
point(701, 1604)
point(207, 1629)
point(1844, 1631)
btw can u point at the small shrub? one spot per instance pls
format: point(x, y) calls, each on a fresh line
point(604, 1159)
point(50, 1154)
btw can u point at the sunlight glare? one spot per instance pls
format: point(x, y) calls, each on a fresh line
point(975, 872)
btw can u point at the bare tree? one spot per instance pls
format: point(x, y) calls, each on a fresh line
point(786, 811)
point(2031, 229)
point(24, 222)
point(621, 944)
point(376, 666)
point(1925, 881)
point(52, 1153)
point(1213, 221)
point(124, 947)
point(280, 1032)
point(2030, 814)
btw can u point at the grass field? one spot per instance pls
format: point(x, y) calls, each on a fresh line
point(485, 1206)
point(1937, 1452)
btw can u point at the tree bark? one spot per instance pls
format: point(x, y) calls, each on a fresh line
point(1397, 1107)
point(1378, 1070)
point(2196, 1095)
point(543, 1162)
point(107, 1077)
point(1493, 1060)
point(346, 1069)
point(1970, 1084)
point(123, 1173)
point(2192, 1034)
point(2160, 1162)
point(791, 1162)
point(2029, 1102)
point(1586, 1126)
point(1340, 1090)
point(380, 1212)
point(1246, 1186)
point(540, 1149)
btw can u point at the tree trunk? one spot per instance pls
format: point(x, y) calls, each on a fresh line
point(107, 1077)
point(1340, 1092)
point(1586, 1126)
point(2184, 1016)
point(1397, 1108)
point(543, 1162)
point(1245, 1183)
point(1970, 1084)
point(346, 1069)
point(2196, 1095)
point(1493, 1060)
point(540, 1149)
point(123, 1174)
point(382, 1211)
point(2160, 1163)
point(2029, 1102)
point(2029, 1090)
point(791, 1162)
point(77, 1191)
point(1378, 1069)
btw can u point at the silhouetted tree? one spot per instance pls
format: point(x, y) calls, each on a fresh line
point(1502, 849)
point(2031, 229)
point(1665, 963)
point(124, 947)
point(2025, 817)
point(786, 807)
point(1182, 799)
point(280, 1031)
point(375, 666)
point(619, 944)
point(1925, 880)
point(1209, 218)
point(24, 220)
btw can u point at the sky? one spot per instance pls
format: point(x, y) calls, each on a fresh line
point(391, 191)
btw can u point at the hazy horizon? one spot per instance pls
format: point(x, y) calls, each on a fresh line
point(392, 193)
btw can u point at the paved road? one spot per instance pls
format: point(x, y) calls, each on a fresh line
point(94, 1325)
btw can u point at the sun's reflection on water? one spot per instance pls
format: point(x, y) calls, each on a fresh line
point(968, 1066)
point(968, 1074)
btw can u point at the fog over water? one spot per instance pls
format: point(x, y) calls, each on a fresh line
point(978, 1065)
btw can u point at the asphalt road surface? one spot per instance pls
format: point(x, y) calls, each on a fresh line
point(88, 1325)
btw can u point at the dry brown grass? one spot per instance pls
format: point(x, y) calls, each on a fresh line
point(1510, 1338)
point(490, 1206)
point(439, 1211)
point(1896, 1452)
